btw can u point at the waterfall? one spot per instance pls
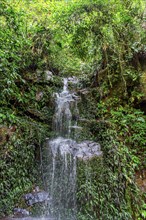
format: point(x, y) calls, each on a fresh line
point(65, 101)
point(58, 161)
point(60, 173)
point(61, 155)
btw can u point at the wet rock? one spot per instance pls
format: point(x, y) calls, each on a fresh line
point(83, 150)
point(94, 147)
point(21, 212)
point(73, 80)
point(87, 150)
point(36, 197)
point(48, 75)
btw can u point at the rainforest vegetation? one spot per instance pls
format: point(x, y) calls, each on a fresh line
point(102, 42)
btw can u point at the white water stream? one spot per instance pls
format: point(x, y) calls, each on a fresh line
point(58, 162)
point(60, 171)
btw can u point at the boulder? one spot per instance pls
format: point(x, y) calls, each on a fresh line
point(21, 212)
point(36, 197)
point(83, 150)
point(87, 150)
point(48, 75)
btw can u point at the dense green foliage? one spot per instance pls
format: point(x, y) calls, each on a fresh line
point(110, 186)
point(103, 43)
point(17, 161)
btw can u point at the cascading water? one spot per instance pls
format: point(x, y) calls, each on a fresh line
point(65, 101)
point(58, 162)
point(60, 173)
